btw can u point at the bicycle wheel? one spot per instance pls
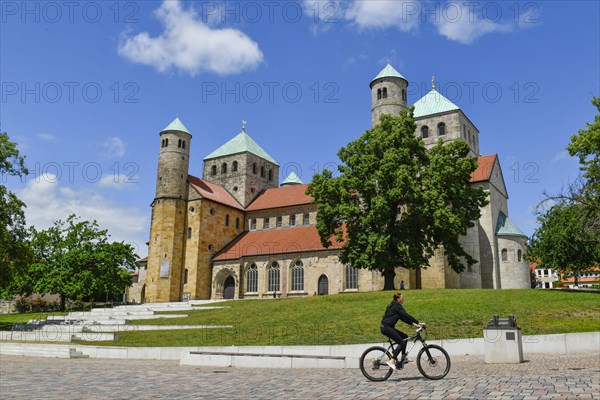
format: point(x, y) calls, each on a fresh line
point(373, 364)
point(433, 362)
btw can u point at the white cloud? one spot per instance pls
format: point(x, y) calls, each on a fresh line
point(45, 137)
point(114, 147)
point(465, 26)
point(563, 155)
point(47, 201)
point(401, 14)
point(191, 45)
point(118, 181)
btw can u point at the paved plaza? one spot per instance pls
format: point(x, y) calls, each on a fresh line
point(574, 376)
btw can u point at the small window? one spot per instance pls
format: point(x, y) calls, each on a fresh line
point(469, 136)
point(273, 283)
point(306, 219)
point(252, 278)
point(167, 142)
point(270, 175)
point(425, 132)
point(226, 219)
point(504, 255)
point(183, 144)
point(213, 170)
point(519, 255)
point(212, 211)
point(252, 190)
point(292, 220)
point(266, 223)
point(441, 129)
point(403, 94)
point(162, 143)
point(464, 131)
point(224, 168)
point(384, 93)
point(237, 223)
point(235, 188)
point(234, 166)
point(298, 276)
point(192, 209)
point(378, 94)
point(185, 276)
point(253, 224)
point(179, 143)
point(351, 277)
point(189, 233)
point(279, 222)
point(262, 172)
point(254, 168)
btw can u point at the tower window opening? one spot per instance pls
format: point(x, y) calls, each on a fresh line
point(179, 143)
point(425, 132)
point(237, 223)
point(464, 131)
point(441, 129)
point(254, 168)
point(384, 93)
point(504, 255)
point(185, 276)
point(183, 144)
point(167, 142)
point(224, 168)
point(162, 143)
point(469, 138)
point(270, 174)
point(378, 94)
point(189, 233)
point(403, 95)
point(234, 166)
point(213, 170)
point(262, 172)
point(226, 219)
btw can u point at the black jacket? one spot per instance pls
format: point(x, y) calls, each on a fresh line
point(394, 312)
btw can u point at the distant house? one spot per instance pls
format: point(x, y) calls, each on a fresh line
point(585, 279)
point(545, 276)
point(135, 293)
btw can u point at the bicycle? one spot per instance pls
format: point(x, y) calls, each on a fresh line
point(432, 360)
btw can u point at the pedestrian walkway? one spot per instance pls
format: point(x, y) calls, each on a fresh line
point(567, 376)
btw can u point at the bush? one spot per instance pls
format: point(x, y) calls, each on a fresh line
point(558, 283)
point(23, 305)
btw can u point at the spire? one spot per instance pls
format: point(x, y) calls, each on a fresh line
point(176, 125)
point(388, 72)
point(292, 179)
point(433, 82)
point(243, 126)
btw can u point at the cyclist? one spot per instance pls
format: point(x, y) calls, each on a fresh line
point(394, 312)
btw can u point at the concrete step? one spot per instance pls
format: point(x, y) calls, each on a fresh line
point(73, 353)
point(258, 360)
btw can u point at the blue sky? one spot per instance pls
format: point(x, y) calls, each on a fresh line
point(86, 87)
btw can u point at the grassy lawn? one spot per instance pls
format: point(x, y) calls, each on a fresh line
point(354, 318)
point(7, 320)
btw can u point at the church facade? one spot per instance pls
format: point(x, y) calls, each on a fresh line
point(236, 233)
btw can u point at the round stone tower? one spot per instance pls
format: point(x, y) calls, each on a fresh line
point(167, 228)
point(173, 161)
point(388, 93)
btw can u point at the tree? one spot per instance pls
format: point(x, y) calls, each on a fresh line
point(394, 203)
point(561, 242)
point(75, 259)
point(14, 252)
point(568, 239)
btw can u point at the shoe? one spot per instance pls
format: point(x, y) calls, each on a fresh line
point(406, 360)
point(391, 364)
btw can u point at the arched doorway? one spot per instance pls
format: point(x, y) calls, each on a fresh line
point(229, 288)
point(323, 285)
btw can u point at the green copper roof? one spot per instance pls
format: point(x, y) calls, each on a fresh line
point(505, 227)
point(176, 125)
point(388, 72)
point(239, 144)
point(433, 103)
point(292, 179)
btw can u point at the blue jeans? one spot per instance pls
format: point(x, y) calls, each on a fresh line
point(397, 337)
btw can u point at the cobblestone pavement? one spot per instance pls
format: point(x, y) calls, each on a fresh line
point(540, 377)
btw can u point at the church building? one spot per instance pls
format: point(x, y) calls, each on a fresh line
point(235, 232)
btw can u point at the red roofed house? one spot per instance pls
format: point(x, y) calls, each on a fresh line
point(237, 233)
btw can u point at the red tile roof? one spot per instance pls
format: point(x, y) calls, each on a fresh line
point(483, 172)
point(281, 197)
point(276, 241)
point(214, 192)
point(145, 259)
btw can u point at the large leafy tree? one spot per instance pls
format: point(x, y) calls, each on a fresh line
point(394, 203)
point(14, 254)
point(568, 239)
point(562, 243)
point(75, 259)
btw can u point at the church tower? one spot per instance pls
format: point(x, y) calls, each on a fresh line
point(388, 93)
point(167, 242)
point(242, 167)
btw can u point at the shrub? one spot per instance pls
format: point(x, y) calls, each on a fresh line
point(23, 305)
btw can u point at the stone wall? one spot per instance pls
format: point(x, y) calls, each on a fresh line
point(393, 103)
point(514, 270)
point(458, 126)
